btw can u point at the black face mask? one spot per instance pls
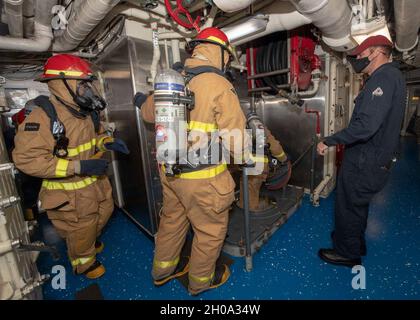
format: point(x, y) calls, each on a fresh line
point(358, 64)
point(86, 96)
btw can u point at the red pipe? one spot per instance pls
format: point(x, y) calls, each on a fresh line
point(318, 119)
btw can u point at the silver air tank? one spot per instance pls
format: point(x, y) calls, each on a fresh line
point(170, 118)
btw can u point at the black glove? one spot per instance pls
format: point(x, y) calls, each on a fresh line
point(93, 167)
point(139, 99)
point(117, 145)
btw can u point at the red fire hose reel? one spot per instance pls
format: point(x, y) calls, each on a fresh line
point(182, 16)
point(303, 60)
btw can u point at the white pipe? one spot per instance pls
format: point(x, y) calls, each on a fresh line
point(166, 53)
point(159, 10)
point(41, 43)
point(148, 16)
point(90, 13)
point(176, 54)
point(318, 190)
point(42, 31)
point(13, 10)
point(156, 51)
point(316, 79)
point(238, 66)
point(333, 18)
point(210, 18)
point(232, 6)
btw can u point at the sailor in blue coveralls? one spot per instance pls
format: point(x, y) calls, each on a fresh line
point(371, 143)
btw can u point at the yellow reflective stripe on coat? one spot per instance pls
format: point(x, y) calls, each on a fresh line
point(201, 279)
point(202, 126)
point(165, 264)
point(81, 148)
point(52, 185)
point(61, 168)
point(76, 262)
point(65, 72)
point(101, 143)
point(204, 174)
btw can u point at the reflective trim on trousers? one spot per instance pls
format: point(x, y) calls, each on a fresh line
point(165, 264)
point(201, 279)
point(78, 261)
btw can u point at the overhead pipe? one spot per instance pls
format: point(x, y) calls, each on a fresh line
point(91, 12)
point(232, 6)
point(13, 11)
point(407, 24)
point(28, 11)
point(333, 18)
point(42, 31)
point(28, 8)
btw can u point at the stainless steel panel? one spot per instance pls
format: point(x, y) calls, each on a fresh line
point(295, 130)
point(125, 69)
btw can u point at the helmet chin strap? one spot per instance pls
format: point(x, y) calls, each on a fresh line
point(78, 114)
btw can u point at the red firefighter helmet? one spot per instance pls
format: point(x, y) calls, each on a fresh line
point(212, 35)
point(66, 66)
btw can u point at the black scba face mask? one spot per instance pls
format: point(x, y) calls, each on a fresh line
point(87, 96)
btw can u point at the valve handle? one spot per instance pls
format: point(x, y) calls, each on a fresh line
point(177, 12)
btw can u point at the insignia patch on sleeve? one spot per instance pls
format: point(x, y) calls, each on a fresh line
point(31, 126)
point(377, 92)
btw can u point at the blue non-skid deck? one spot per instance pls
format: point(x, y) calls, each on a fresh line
point(287, 267)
